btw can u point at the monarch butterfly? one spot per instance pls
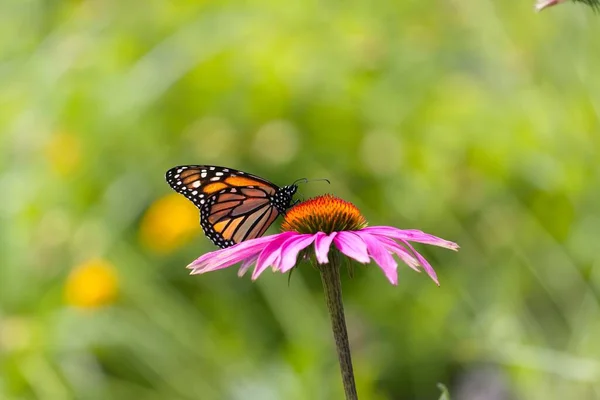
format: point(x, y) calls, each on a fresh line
point(234, 205)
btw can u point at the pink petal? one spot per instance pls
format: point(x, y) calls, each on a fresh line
point(352, 245)
point(246, 265)
point(271, 253)
point(413, 235)
point(229, 256)
point(290, 250)
point(426, 266)
point(401, 252)
point(322, 245)
point(381, 256)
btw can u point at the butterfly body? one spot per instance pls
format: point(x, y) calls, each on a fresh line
point(234, 205)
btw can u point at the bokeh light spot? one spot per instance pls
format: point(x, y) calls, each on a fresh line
point(63, 152)
point(211, 139)
point(380, 152)
point(276, 142)
point(16, 334)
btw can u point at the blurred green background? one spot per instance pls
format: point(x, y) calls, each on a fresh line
point(476, 121)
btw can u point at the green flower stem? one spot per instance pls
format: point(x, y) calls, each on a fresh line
point(330, 276)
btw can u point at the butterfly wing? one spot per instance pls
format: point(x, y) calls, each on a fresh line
point(237, 214)
point(234, 205)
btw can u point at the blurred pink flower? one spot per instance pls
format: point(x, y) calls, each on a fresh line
point(356, 241)
point(542, 4)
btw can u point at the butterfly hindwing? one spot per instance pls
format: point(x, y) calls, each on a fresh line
point(228, 222)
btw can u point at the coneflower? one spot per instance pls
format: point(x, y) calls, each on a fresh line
point(325, 229)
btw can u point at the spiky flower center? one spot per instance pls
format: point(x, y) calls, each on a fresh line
point(325, 213)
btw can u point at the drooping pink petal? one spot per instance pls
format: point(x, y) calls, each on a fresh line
point(322, 245)
point(271, 253)
point(413, 235)
point(382, 257)
point(246, 265)
point(352, 245)
point(224, 258)
point(401, 252)
point(290, 250)
point(426, 266)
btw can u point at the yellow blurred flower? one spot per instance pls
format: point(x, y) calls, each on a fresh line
point(92, 284)
point(169, 223)
point(63, 152)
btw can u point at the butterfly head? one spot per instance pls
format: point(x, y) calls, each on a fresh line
point(283, 199)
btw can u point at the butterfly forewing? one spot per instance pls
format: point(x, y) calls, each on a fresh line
point(234, 205)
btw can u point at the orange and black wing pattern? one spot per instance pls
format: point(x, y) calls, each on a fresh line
point(234, 205)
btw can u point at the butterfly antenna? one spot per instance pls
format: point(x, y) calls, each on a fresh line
point(306, 180)
point(320, 180)
point(301, 180)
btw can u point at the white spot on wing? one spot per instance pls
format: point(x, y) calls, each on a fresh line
point(196, 184)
